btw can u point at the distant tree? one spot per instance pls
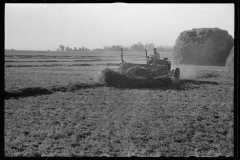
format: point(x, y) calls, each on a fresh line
point(137, 47)
point(150, 46)
point(169, 49)
point(106, 48)
point(146, 46)
point(165, 48)
point(97, 49)
point(115, 48)
point(82, 48)
point(86, 49)
point(160, 48)
point(62, 47)
point(126, 49)
point(79, 48)
point(75, 48)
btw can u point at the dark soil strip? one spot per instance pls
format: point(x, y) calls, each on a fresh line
point(87, 60)
point(36, 91)
point(36, 61)
point(59, 61)
point(80, 65)
point(51, 65)
point(209, 75)
point(27, 92)
point(196, 82)
point(74, 87)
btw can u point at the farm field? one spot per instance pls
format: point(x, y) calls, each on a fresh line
point(62, 110)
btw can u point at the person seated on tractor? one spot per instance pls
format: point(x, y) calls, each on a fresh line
point(155, 57)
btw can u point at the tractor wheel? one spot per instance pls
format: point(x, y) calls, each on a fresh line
point(177, 73)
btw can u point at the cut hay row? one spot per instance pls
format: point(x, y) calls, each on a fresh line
point(46, 65)
point(83, 60)
point(36, 91)
point(129, 75)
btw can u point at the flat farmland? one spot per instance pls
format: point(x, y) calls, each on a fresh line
point(45, 69)
point(45, 77)
point(194, 117)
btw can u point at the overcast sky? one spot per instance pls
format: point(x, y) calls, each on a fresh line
point(46, 26)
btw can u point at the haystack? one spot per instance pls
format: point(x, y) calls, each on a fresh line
point(202, 46)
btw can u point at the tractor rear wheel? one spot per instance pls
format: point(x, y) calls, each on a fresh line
point(177, 73)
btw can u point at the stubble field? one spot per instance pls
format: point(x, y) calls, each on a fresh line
point(64, 111)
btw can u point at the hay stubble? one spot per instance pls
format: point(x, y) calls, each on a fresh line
point(193, 119)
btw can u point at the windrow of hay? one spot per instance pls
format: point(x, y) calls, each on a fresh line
point(112, 78)
point(137, 72)
point(48, 65)
point(124, 66)
point(208, 74)
point(36, 91)
point(26, 92)
point(134, 77)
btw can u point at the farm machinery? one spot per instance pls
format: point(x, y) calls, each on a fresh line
point(160, 69)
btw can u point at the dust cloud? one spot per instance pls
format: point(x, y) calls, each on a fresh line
point(98, 78)
point(186, 71)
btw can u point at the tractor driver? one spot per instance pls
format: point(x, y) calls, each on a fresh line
point(155, 57)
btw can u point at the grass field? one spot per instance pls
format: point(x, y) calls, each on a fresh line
point(63, 111)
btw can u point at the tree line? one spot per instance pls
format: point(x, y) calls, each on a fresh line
point(136, 47)
point(63, 48)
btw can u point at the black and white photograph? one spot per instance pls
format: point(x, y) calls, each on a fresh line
point(119, 79)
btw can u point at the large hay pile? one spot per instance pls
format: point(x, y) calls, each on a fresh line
point(129, 75)
point(202, 46)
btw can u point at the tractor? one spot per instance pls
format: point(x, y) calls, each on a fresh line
point(161, 68)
